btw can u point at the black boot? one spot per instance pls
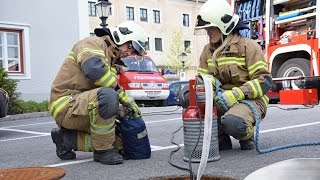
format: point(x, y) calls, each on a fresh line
point(247, 144)
point(109, 157)
point(63, 151)
point(224, 142)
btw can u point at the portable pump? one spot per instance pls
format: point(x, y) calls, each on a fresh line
point(193, 123)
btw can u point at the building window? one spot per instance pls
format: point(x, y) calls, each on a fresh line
point(187, 45)
point(185, 20)
point(130, 13)
point(11, 58)
point(156, 16)
point(143, 14)
point(148, 44)
point(158, 44)
point(92, 9)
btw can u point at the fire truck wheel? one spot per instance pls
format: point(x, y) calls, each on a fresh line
point(291, 68)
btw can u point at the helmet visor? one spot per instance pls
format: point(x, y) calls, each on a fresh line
point(139, 48)
point(201, 26)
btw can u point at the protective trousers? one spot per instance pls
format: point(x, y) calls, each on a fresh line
point(239, 120)
point(93, 114)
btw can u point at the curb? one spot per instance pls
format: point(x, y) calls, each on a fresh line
point(25, 116)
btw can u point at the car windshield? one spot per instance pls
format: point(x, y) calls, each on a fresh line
point(144, 65)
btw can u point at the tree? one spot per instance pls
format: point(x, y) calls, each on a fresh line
point(176, 48)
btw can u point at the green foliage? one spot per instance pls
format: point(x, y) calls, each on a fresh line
point(176, 48)
point(10, 85)
point(33, 106)
point(16, 105)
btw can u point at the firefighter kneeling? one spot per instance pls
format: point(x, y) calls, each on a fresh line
point(239, 70)
point(85, 96)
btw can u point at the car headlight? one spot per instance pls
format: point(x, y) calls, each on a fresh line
point(134, 85)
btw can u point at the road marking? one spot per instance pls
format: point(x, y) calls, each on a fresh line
point(289, 127)
point(175, 119)
point(48, 134)
point(24, 125)
point(34, 124)
point(29, 137)
point(24, 131)
point(158, 148)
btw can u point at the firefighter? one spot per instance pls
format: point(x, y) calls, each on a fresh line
point(238, 63)
point(85, 95)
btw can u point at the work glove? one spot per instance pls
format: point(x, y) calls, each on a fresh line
point(129, 103)
point(114, 71)
point(228, 98)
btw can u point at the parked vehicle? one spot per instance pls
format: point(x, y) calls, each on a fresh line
point(142, 80)
point(289, 32)
point(175, 88)
point(4, 100)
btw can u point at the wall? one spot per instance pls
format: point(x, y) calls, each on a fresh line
point(54, 27)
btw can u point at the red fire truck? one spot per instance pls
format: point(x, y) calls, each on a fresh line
point(142, 80)
point(289, 31)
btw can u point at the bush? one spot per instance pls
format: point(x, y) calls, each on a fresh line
point(10, 85)
point(16, 105)
point(32, 106)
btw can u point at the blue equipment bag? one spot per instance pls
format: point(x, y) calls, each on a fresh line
point(135, 138)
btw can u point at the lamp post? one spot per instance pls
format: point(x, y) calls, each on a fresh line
point(183, 60)
point(103, 8)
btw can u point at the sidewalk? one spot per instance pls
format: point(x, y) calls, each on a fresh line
point(25, 116)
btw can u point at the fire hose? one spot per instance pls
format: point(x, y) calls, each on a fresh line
point(207, 126)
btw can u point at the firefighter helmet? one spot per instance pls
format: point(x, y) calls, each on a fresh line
point(222, 16)
point(130, 31)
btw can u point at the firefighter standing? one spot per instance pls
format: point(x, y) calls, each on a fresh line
point(239, 64)
point(85, 95)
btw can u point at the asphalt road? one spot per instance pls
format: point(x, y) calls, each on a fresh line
point(27, 142)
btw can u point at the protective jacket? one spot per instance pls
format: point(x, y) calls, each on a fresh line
point(238, 62)
point(71, 80)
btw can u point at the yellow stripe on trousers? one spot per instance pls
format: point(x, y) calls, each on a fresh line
point(58, 104)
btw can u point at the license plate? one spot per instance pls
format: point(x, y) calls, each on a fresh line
point(153, 93)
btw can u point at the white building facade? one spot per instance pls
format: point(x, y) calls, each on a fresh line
point(36, 36)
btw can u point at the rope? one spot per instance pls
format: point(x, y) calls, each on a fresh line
point(257, 119)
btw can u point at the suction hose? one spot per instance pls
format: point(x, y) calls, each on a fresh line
point(207, 126)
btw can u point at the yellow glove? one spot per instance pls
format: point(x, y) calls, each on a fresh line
point(229, 97)
point(129, 103)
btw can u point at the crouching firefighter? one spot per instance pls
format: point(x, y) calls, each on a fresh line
point(85, 96)
point(239, 73)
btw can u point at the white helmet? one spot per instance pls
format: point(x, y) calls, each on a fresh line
point(129, 31)
point(217, 13)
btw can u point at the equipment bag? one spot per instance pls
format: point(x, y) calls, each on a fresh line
point(4, 99)
point(135, 138)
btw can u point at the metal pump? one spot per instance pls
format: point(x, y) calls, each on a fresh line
point(193, 122)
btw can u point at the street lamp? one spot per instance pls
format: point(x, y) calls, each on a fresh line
point(103, 8)
point(183, 56)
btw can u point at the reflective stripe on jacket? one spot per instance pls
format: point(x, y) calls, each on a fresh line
point(70, 79)
point(240, 63)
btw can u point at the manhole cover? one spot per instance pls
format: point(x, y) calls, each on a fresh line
point(34, 173)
